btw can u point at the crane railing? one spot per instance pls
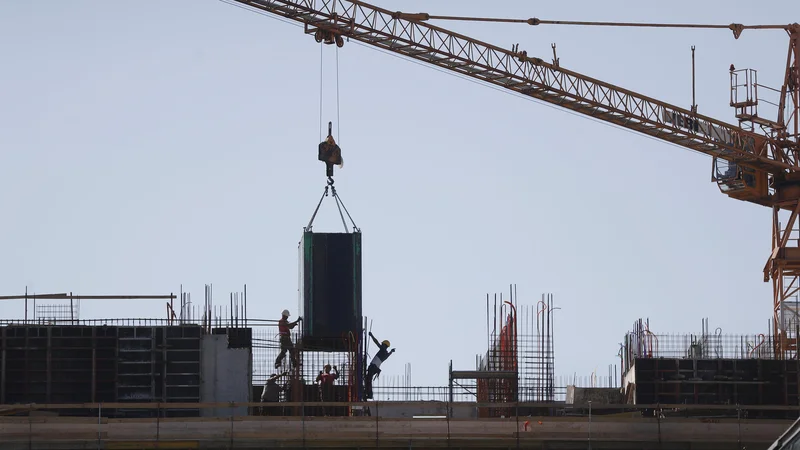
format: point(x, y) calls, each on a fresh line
point(514, 70)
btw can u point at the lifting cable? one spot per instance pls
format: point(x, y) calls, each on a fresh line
point(737, 28)
point(338, 119)
point(330, 187)
point(321, 66)
point(339, 205)
point(321, 95)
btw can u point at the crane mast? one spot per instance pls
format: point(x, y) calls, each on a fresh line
point(757, 167)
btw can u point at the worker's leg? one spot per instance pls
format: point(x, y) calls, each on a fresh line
point(372, 370)
point(284, 349)
point(286, 345)
point(293, 353)
point(323, 398)
point(368, 385)
point(280, 357)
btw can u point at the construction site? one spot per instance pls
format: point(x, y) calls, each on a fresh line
point(206, 374)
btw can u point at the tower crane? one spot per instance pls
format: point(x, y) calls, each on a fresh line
point(756, 160)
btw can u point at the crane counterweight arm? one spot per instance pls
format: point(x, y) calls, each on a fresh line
point(515, 71)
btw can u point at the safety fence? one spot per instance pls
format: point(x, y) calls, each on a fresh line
point(384, 424)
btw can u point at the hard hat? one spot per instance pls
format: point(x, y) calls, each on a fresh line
point(386, 343)
point(286, 312)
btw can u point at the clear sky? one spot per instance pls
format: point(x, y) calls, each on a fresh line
point(147, 145)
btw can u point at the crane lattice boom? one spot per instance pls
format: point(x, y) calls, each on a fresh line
point(534, 77)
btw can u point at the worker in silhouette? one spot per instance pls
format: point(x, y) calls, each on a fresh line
point(284, 334)
point(325, 380)
point(271, 394)
point(374, 368)
point(330, 153)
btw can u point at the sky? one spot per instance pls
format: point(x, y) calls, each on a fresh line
point(152, 145)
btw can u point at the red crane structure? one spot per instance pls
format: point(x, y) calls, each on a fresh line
point(757, 160)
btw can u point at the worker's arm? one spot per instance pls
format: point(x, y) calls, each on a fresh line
point(336, 373)
point(390, 354)
point(294, 324)
point(374, 340)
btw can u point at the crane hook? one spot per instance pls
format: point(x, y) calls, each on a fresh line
point(555, 58)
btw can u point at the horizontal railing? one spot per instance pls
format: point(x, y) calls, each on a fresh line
point(377, 404)
point(140, 322)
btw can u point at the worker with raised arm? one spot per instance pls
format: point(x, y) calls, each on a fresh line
point(271, 394)
point(285, 337)
point(325, 381)
point(374, 368)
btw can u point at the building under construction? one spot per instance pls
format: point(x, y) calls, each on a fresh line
point(195, 377)
point(214, 352)
point(210, 361)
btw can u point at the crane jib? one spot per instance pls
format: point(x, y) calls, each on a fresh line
point(515, 70)
point(722, 135)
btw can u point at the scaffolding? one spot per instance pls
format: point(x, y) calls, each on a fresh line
point(299, 383)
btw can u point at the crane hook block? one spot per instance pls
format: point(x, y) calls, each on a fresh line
point(330, 153)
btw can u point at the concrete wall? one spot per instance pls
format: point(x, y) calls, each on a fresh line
point(428, 409)
point(598, 396)
point(225, 375)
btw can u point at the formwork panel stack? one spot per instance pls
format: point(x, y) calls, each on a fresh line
point(708, 369)
point(70, 362)
point(139, 368)
point(716, 381)
point(58, 364)
point(182, 367)
point(105, 364)
point(26, 365)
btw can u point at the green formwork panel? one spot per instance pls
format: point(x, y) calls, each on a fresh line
point(330, 286)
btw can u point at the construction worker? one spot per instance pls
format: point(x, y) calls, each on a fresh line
point(325, 381)
point(271, 394)
point(374, 368)
point(284, 334)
